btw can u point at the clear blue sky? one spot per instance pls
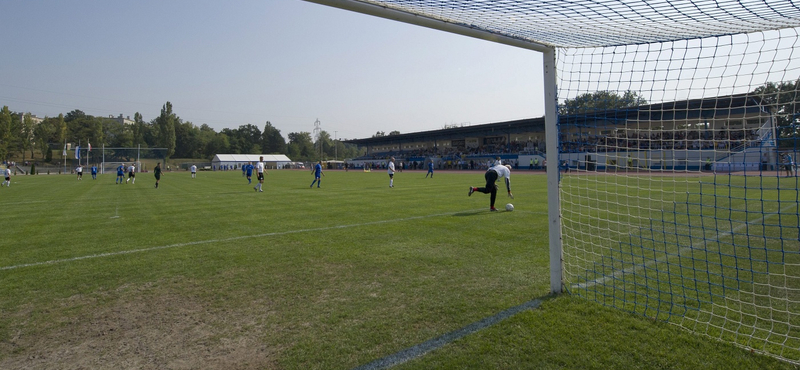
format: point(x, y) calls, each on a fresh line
point(226, 64)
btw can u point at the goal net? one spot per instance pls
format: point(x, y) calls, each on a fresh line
point(675, 138)
point(143, 158)
point(679, 203)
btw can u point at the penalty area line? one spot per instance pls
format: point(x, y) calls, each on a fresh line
point(199, 242)
point(436, 343)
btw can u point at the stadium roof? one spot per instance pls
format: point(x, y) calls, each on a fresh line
point(490, 129)
point(681, 109)
point(537, 24)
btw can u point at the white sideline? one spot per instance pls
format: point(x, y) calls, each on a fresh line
point(111, 254)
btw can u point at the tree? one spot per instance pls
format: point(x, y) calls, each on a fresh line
point(235, 144)
point(187, 142)
point(784, 101)
point(250, 136)
point(206, 136)
point(600, 100)
point(116, 134)
point(26, 138)
point(5, 132)
point(247, 139)
point(96, 134)
point(301, 147)
point(379, 134)
point(61, 132)
point(350, 150)
point(324, 145)
point(272, 142)
point(166, 129)
point(75, 114)
point(218, 145)
point(343, 150)
point(86, 128)
point(138, 129)
point(63, 129)
point(15, 133)
point(395, 132)
point(150, 133)
point(45, 133)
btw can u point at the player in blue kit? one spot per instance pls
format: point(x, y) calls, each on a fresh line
point(430, 169)
point(120, 174)
point(94, 172)
point(317, 170)
point(248, 168)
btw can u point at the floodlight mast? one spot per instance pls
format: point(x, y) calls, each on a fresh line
point(317, 131)
point(550, 102)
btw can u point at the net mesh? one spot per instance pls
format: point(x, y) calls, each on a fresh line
point(697, 251)
point(678, 130)
point(144, 159)
point(679, 198)
point(597, 23)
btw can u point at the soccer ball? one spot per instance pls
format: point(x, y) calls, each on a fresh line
point(509, 207)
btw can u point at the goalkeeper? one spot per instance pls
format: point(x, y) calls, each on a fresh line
point(492, 174)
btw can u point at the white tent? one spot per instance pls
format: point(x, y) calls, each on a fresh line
point(231, 161)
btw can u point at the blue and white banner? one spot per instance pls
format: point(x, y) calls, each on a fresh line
point(78, 152)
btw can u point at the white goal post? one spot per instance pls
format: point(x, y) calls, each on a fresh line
point(675, 129)
point(111, 158)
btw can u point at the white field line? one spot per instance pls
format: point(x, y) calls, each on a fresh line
point(199, 242)
point(25, 202)
point(439, 342)
point(681, 250)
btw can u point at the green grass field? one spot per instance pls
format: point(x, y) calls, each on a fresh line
point(716, 254)
point(207, 273)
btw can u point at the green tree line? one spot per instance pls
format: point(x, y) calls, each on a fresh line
point(22, 139)
point(784, 101)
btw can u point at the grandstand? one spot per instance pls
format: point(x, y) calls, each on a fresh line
point(734, 132)
point(686, 241)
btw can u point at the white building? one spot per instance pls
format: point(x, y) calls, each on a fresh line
point(238, 160)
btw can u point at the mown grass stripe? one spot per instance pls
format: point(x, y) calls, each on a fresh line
point(222, 240)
